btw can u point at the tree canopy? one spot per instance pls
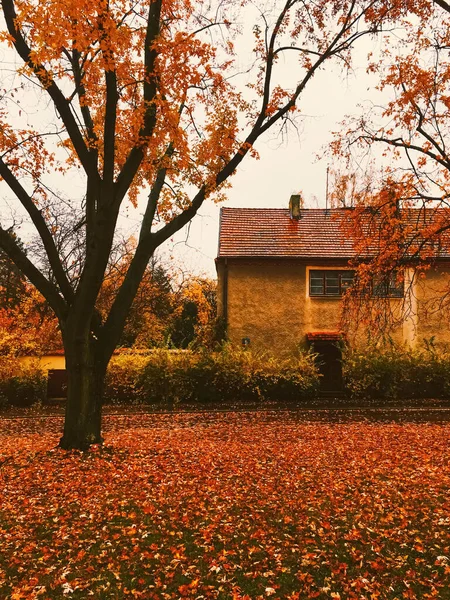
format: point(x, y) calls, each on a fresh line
point(397, 166)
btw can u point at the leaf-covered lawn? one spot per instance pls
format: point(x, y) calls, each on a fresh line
point(226, 506)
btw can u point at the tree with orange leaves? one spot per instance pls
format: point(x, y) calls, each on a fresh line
point(195, 321)
point(401, 218)
point(150, 314)
point(145, 105)
point(28, 327)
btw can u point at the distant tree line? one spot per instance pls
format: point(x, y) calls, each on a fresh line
point(169, 310)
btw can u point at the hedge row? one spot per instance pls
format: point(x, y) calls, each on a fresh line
point(397, 372)
point(172, 377)
point(176, 377)
point(230, 376)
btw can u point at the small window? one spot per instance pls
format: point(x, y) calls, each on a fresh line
point(388, 286)
point(329, 283)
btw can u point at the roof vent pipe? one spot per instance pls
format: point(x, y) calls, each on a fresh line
point(295, 205)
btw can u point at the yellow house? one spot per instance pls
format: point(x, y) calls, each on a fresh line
point(53, 361)
point(282, 274)
point(54, 365)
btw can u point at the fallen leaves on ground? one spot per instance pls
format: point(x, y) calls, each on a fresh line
point(229, 506)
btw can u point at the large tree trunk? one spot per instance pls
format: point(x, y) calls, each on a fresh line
point(86, 377)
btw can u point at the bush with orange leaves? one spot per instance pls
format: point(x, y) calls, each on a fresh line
point(26, 329)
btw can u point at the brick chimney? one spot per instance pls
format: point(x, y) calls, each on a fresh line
point(295, 205)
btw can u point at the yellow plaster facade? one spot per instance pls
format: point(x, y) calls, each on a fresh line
point(268, 301)
point(47, 362)
point(431, 297)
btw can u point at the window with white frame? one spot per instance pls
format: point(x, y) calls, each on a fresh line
point(329, 282)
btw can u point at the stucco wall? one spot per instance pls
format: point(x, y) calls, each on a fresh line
point(432, 314)
point(264, 304)
point(46, 362)
point(269, 303)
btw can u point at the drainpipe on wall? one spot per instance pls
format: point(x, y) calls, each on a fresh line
point(225, 293)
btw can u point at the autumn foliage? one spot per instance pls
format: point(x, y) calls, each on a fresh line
point(28, 328)
point(396, 164)
point(239, 506)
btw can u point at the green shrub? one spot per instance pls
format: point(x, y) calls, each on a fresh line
point(154, 377)
point(4, 403)
point(171, 377)
point(21, 385)
point(224, 377)
point(397, 372)
point(241, 376)
point(166, 377)
point(123, 375)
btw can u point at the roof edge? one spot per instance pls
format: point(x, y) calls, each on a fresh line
point(220, 231)
point(283, 257)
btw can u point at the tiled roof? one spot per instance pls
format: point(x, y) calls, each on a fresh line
point(319, 233)
point(271, 232)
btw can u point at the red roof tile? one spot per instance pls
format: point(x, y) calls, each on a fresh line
point(270, 232)
point(325, 336)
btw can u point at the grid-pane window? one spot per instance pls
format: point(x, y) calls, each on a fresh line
point(332, 287)
point(388, 286)
point(346, 280)
point(329, 283)
point(316, 283)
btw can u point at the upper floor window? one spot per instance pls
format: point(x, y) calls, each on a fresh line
point(388, 286)
point(329, 283)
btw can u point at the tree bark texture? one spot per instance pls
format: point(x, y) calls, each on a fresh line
point(86, 378)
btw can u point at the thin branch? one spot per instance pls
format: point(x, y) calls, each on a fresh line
point(47, 289)
point(42, 229)
point(28, 139)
